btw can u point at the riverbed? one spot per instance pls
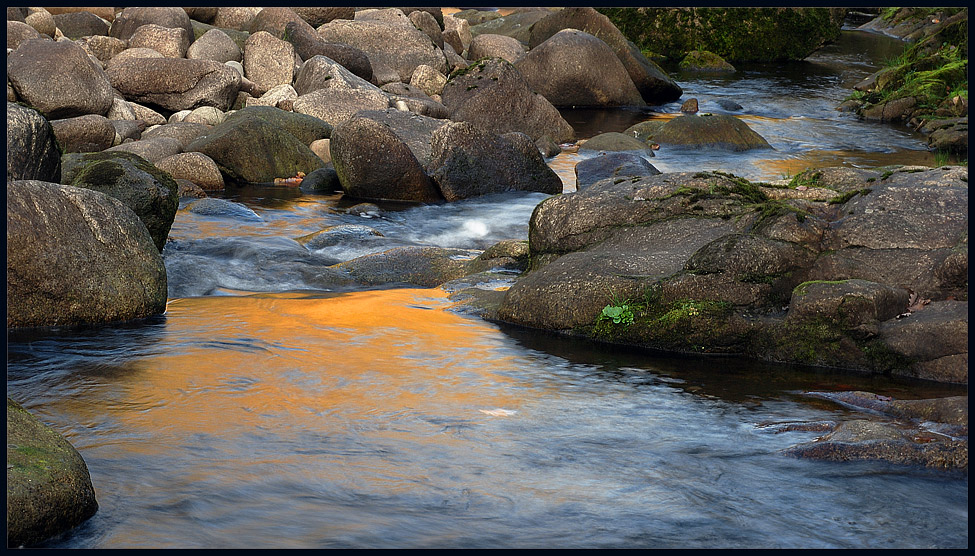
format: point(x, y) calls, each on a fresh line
point(268, 409)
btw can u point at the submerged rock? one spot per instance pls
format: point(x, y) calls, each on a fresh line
point(709, 131)
point(420, 266)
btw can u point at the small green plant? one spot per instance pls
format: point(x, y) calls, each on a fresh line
point(619, 314)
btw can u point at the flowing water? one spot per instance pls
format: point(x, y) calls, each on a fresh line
point(270, 408)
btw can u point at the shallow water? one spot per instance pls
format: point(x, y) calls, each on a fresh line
point(269, 408)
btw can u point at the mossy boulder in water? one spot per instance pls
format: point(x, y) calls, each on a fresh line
point(709, 130)
point(48, 487)
point(702, 61)
point(735, 34)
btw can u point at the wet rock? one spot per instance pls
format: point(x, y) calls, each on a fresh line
point(214, 45)
point(176, 83)
point(729, 105)
point(710, 131)
point(222, 208)
point(195, 167)
point(689, 106)
point(702, 61)
point(323, 180)
point(49, 489)
point(148, 191)
point(573, 68)
point(467, 162)
point(59, 79)
point(614, 142)
point(612, 165)
point(495, 97)
point(77, 256)
point(32, 150)
point(935, 338)
point(88, 133)
point(398, 47)
point(373, 163)
point(419, 266)
point(334, 235)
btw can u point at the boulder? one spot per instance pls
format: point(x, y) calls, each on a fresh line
point(82, 134)
point(573, 68)
point(428, 80)
point(495, 46)
point(176, 84)
point(850, 303)
point(59, 79)
point(195, 167)
point(614, 141)
point(935, 339)
point(149, 192)
point(414, 130)
point(171, 42)
point(281, 96)
point(151, 149)
point(320, 16)
point(373, 163)
point(41, 20)
point(495, 97)
point(425, 267)
point(308, 44)
point(468, 162)
point(398, 47)
point(321, 72)
point(457, 33)
point(214, 45)
point(391, 16)
point(239, 19)
point(49, 489)
point(338, 105)
point(702, 61)
point(306, 129)
point(32, 149)
point(334, 235)
point(19, 32)
point(76, 256)
point(250, 149)
point(709, 131)
point(653, 83)
point(268, 61)
point(104, 48)
point(516, 25)
point(612, 165)
point(129, 20)
point(185, 132)
point(427, 23)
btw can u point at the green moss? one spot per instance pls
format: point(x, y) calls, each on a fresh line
point(803, 288)
point(806, 178)
point(840, 199)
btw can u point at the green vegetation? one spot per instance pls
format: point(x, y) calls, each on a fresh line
point(840, 199)
point(751, 194)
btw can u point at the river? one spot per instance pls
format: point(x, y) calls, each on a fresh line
point(267, 409)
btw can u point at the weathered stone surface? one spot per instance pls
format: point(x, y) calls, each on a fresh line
point(195, 167)
point(457, 33)
point(612, 165)
point(321, 72)
point(214, 45)
point(149, 192)
point(338, 105)
point(711, 131)
point(702, 61)
point(176, 84)
point(305, 128)
point(82, 134)
point(171, 42)
point(19, 32)
point(937, 331)
point(239, 19)
point(427, 79)
point(185, 132)
point(427, 23)
point(516, 25)
point(32, 150)
point(103, 47)
point(399, 47)
point(129, 20)
point(76, 256)
point(373, 163)
point(81, 24)
point(268, 61)
point(334, 235)
point(466, 162)
point(151, 149)
point(48, 486)
point(414, 130)
point(573, 68)
point(308, 44)
point(420, 266)
point(850, 302)
point(321, 16)
point(59, 79)
point(614, 141)
point(495, 46)
point(495, 97)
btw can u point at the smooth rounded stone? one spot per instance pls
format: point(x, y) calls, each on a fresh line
point(547, 146)
point(457, 33)
point(413, 129)
point(653, 83)
point(573, 68)
point(729, 105)
point(467, 162)
point(214, 45)
point(373, 163)
point(702, 61)
point(136, 182)
point(236, 66)
point(320, 148)
point(152, 149)
point(275, 21)
point(425, 22)
point(32, 150)
point(614, 141)
point(185, 132)
point(323, 180)
point(204, 15)
point(268, 61)
point(16, 14)
point(250, 149)
point(132, 54)
point(130, 19)
point(19, 33)
point(427, 79)
point(88, 133)
point(320, 16)
point(495, 46)
point(337, 106)
point(422, 107)
point(186, 188)
point(103, 47)
point(612, 165)
point(41, 20)
point(365, 210)
point(321, 72)
point(49, 489)
point(222, 208)
point(398, 47)
point(334, 235)
point(59, 79)
point(308, 44)
point(305, 128)
point(426, 267)
point(77, 256)
point(400, 89)
point(127, 129)
point(719, 131)
point(146, 114)
point(176, 83)
point(195, 167)
point(105, 12)
point(206, 115)
point(239, 19)
point(275, 96)
point(494, 96)
point(392, 16)
point(168, 41)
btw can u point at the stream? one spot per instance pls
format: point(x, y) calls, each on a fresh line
point(269, 409)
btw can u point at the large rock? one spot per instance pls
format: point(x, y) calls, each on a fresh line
point(76, 256)
point(320, 16)
point(654, 84)
point(573, 68)
point(250, 149)
point(88, 133)
point(709, 131)
point(373, 163)
point(414, 130)
point(19, 32)
point(75, 25)
point(214, 45)
point(308, 44)
point(321, 72)
point(171, 42)
point(175, 84)
point(401, 48)
point(268, 61)
point(151, 149)
point(32, 151)
point(516, 25)
point(339, 104)
point(148, 191)
point(129, 20)
point(306, 129)
point(495, 46)
point(59, 79)
point(426, 267)
point(195, 167)
point(495, 97)
point(612, 165)
point(49, 489)
point(467, 162)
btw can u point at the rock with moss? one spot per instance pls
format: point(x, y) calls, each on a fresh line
point(517, 24)
point(49, 490)
point(735, 34)
point(708, 131)
point(702, 61)
point(150, 192)
point(418, 266)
